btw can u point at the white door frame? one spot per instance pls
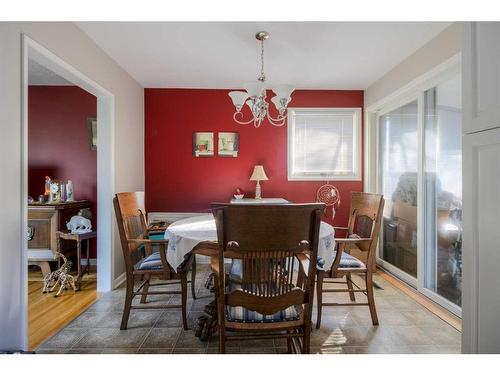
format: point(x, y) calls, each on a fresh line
point(412, 91)
point(105, 163)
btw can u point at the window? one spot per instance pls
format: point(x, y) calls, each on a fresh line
point(324, 144)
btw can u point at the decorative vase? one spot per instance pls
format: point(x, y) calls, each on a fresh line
point(69, 192)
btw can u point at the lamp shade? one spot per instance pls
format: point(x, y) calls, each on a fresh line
point(283, 91)
point(238, 98)
point(278, 104)
point(254, 88)
point(258, 174)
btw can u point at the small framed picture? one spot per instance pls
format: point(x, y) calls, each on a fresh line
point(229, 144)
point(203, 144)
point(92, 131)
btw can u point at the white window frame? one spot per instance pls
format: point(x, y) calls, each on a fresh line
point(357, 133)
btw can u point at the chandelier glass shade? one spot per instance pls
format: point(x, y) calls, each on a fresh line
point(255, 96)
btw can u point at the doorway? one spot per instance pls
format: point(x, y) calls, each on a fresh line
point(100, 121)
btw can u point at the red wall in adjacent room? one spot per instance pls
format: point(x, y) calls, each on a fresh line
point(58, 142)
point(176, 181)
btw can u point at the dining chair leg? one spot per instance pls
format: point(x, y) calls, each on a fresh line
point(289, 343)
point(219, 299)
point(349, 286)
point(193, 277)
point(307, 340)
point(128, 302)
point(319, 292)
point(371, 299)
point(222, 340)
point(145, 288)
point(183, 277)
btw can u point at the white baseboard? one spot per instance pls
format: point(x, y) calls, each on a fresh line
point(119, 280)
point(93, 261)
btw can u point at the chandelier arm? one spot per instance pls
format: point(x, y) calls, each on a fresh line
point(279, 121)
point(241, 122)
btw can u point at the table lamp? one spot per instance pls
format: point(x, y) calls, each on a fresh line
point(258, 175)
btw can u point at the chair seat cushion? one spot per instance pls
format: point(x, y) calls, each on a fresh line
point(152, 262)
point(348, 261)
point(240, 314)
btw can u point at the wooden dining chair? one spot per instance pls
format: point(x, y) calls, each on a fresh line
point(362, 233)
point(145, 257)
point(261, 300)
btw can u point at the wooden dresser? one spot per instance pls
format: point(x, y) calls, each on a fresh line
point(44, 220)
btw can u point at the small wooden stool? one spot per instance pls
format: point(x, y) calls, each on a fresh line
point(78, 237)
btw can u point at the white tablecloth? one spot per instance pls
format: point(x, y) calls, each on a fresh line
point(184, 235)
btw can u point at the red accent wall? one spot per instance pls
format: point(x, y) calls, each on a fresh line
point(177, 181)
point(58, 142)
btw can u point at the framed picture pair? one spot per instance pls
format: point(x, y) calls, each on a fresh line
point(228, 144)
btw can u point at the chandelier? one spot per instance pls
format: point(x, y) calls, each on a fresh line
point(255, 96)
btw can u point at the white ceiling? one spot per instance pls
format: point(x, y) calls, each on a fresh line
point(332, 55)
point(38, 75)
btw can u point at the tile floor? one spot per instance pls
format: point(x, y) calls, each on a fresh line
point(405, 327)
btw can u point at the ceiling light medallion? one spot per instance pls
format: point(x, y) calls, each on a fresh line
point(255, 96)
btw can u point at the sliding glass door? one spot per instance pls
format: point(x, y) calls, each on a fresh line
point(419, 174)
point(398, 183)
point(443, 190)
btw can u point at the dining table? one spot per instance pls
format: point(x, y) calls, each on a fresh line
point(198, 235)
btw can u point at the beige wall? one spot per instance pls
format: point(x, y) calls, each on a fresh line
point(68, 42)
point(445, 45)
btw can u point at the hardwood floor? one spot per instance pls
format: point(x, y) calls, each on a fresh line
point(47, 314)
